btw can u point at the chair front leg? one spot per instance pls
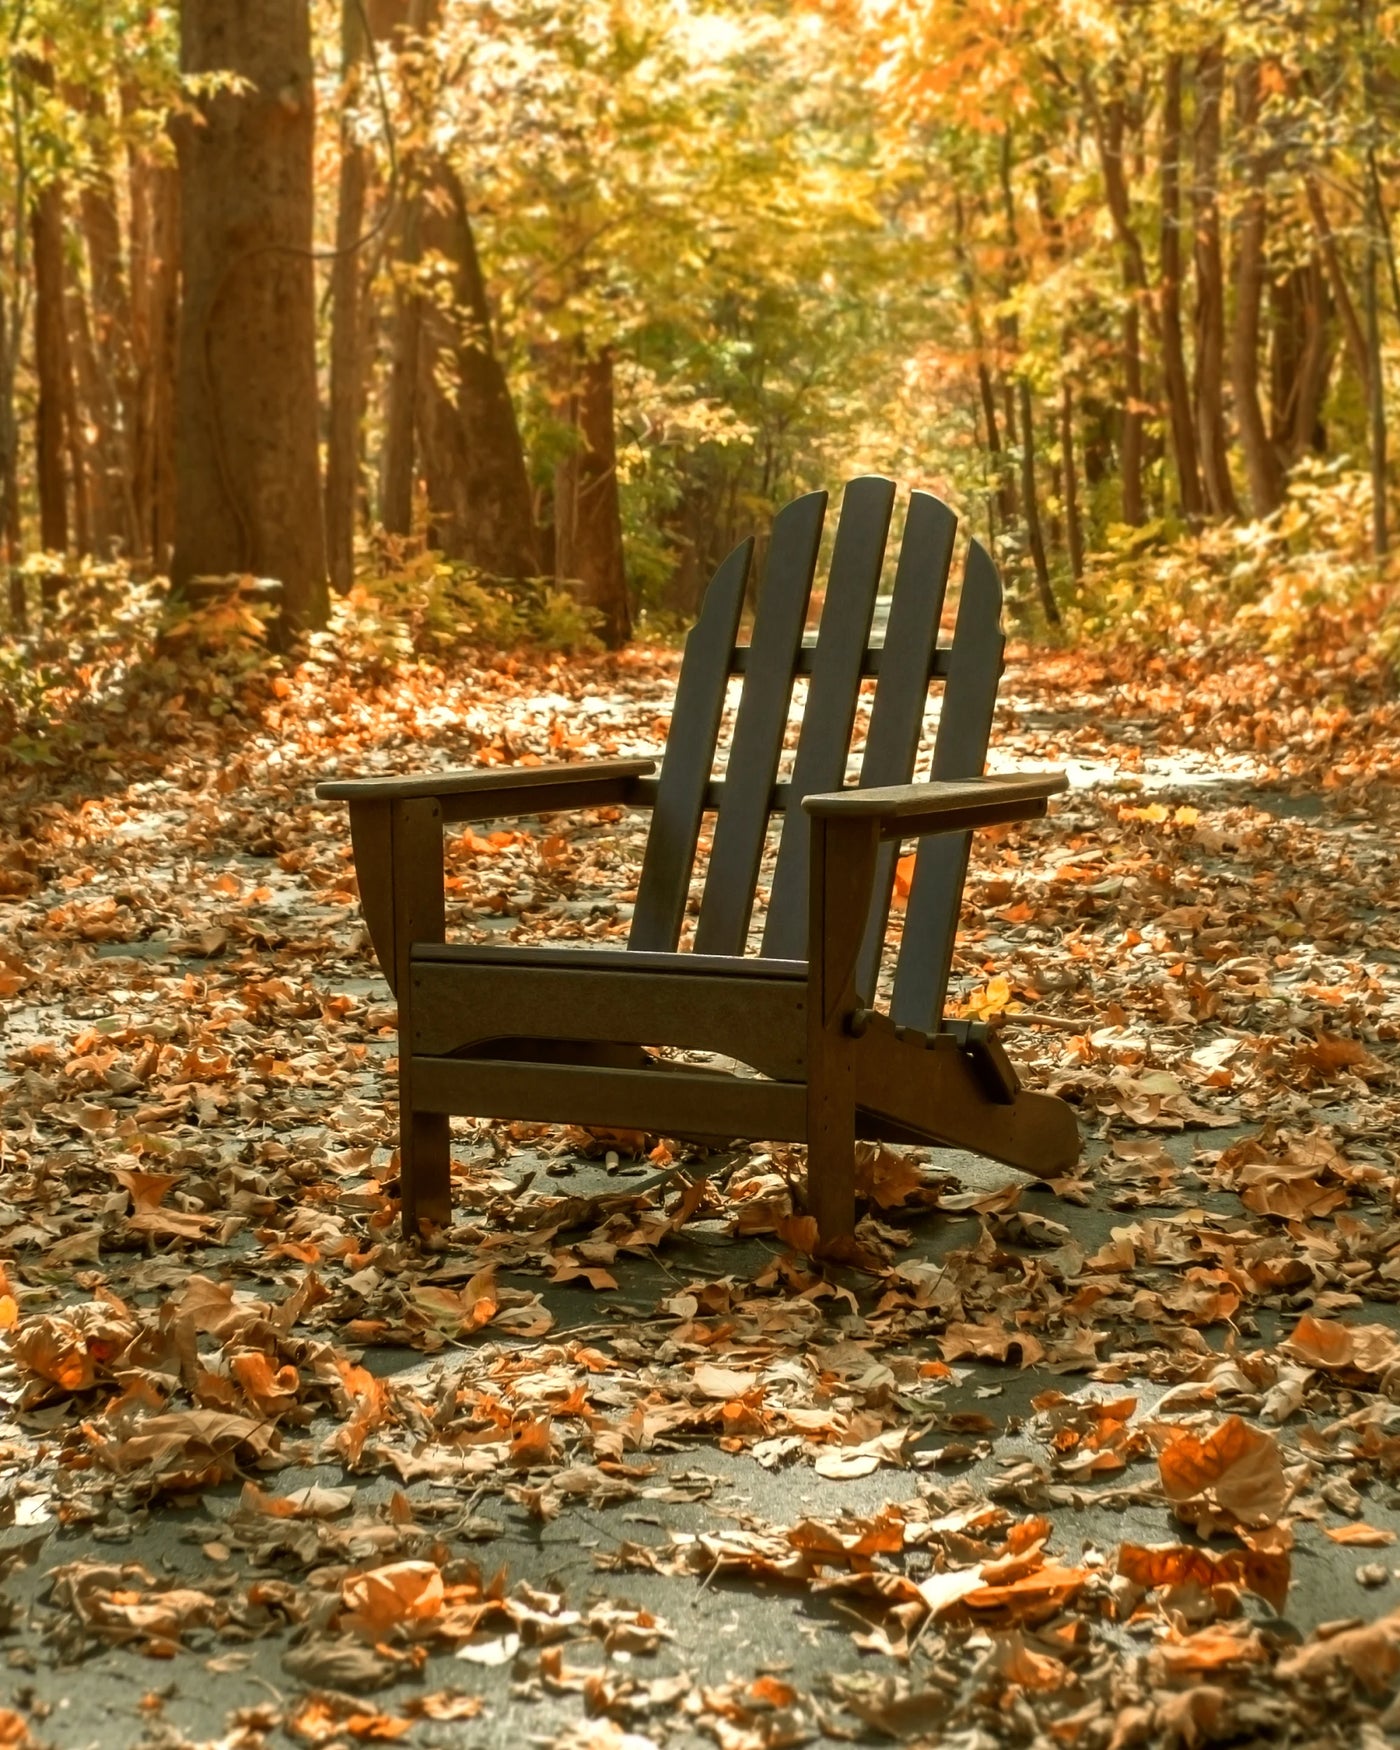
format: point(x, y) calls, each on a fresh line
point(420, 915)
point(844, 854)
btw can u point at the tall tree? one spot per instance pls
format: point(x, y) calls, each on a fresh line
point(1261, 463)
point(1173, 344)
point(479, 503)
point(1110, 125)
point(248, 489)
point(155, 278)
point(587, 521)
point(347, 274)
point(1209, 375)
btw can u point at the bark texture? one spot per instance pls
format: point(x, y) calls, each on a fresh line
point(587, 516)
point(1177, 383)
point(1261, 465)
point(248, 488)
point(347, 373)
point(479, 503)
point(1209, 377)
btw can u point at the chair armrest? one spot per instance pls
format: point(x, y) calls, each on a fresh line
point(489, 792)
point(911, 811)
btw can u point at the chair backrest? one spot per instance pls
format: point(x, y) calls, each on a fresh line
point(904, 662)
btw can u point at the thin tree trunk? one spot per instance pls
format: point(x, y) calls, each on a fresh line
point(9, 468)
point(346, 374)
point(1261, 464)
point(473, 460)
point(587, 515)
point(1208, 383)
point(1074, 528)
point(248, 479)
point(115, 385)
point(1005, 498)
point(1028, 493)
point(90, 431)
point(1173, 345)
point(50, 369)
point(155, 279)
point(1375, 219)
point(1110, 124)
point(1300, 360)
point(398, 454)
point(1337, 280)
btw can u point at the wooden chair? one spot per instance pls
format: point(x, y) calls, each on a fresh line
point(558, 1033)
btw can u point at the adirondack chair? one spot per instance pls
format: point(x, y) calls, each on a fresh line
point(559, 1033)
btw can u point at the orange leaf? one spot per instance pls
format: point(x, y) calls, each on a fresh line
point(1240, 1467)
point(401, 1594)
point(1361, 1536)
point(1265, 1573)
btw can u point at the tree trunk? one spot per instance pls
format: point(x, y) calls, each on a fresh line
point(155, 280)
point(1209, 376)
point(346, 375)
point(1074, 528)
point(248, 487)
point(1109, 123)
point(115, 385)
point(1377, 237)
point(1261, 464)
point(398, 455)
point(473, 460)
point(1337, 280)
point(1300, 360)
point(89, 433)
point(587, 515)
point(50, 369)
point(1173, 345)
point(9, 465)
point(1028, 493)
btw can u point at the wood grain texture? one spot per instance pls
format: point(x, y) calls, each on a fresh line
point(680, 794)
point(911, 657)
point(425, 1161)
point(828, 715)
point(742, 822)
point(960, 751)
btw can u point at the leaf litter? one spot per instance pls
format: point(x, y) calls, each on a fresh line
point(1018, 1468)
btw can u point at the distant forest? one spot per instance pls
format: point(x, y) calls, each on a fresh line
point(578, 290)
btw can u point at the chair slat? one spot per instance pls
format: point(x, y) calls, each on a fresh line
point(871, 662)
point(742, 820)
point(964, 728)
point(689, 762)
point(830, 710)
point(901, 697)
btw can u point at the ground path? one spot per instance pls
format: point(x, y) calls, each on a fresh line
point(618, 1464)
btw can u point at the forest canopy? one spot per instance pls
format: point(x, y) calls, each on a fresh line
point(558, 299)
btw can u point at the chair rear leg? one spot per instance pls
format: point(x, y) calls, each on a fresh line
point(425, 1170)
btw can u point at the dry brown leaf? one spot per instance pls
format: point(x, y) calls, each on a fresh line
point(1240, 1468)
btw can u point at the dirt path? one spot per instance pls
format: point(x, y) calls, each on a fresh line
point(615, 1465)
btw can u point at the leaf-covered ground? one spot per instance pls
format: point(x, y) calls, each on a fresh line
point(616, 1462)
